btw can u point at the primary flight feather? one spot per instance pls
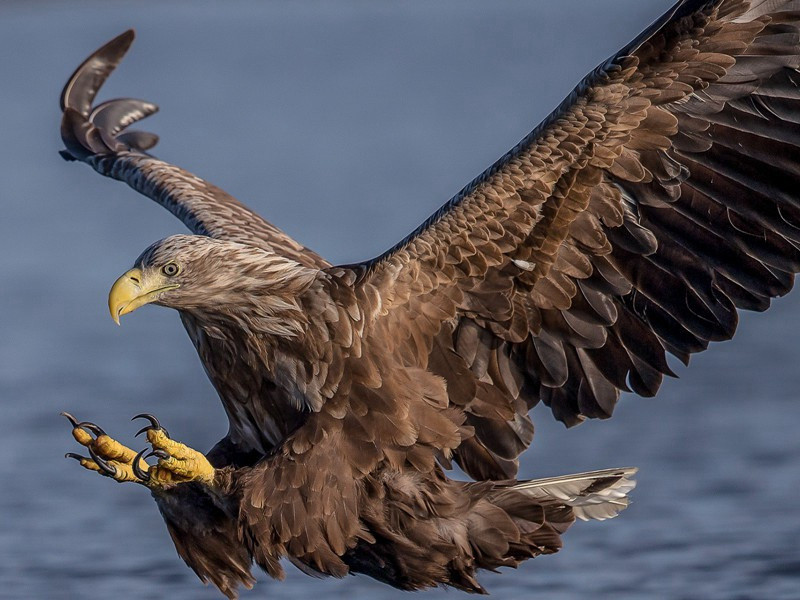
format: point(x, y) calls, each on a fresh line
point(658, 198)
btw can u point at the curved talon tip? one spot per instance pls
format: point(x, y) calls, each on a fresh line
point(70, 418)
point(104, 466)
point(154, 424)
point(95, 429)
point(153, 421)
point(77, 457)
point(143, 475)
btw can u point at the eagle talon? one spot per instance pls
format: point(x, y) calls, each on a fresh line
point(73, 421)
point(137, 470)
point(95, 429)
point(106, 455)
point(106, 468)
point(154, 424)
point(177, 463)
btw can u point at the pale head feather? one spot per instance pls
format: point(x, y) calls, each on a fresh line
point(228, 282)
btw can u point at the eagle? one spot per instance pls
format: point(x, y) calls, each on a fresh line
point(659, 197)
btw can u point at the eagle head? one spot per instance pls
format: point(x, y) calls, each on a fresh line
point(201, 274)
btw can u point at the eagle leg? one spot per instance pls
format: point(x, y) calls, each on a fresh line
point(106, 455)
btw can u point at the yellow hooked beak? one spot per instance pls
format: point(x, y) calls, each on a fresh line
point(135, 289)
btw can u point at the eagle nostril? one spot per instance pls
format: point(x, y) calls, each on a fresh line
point(135, 280)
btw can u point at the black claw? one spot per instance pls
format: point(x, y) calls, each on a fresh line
point(77, 457)
point(154, 424)
point(143, 475)
point(159, 453)
point(104, 466)
point(70, 418)
point(95, 429)
point(153, 421)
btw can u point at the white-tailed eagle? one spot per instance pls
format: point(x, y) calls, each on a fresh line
point(659, 197)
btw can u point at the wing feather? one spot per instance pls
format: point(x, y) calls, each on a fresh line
point(98, 136)
point(658, 198)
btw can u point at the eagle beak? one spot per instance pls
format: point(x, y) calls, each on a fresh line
point(133, 290)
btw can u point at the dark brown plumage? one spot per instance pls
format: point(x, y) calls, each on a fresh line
point(656, 200)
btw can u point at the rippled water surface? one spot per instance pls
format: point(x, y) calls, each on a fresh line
point(346, 123)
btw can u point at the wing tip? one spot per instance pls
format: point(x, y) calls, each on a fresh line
point(85, 130)
point(107, 57)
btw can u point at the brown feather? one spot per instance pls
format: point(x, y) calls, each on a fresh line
point(656, 200)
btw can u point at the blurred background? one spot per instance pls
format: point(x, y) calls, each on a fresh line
point(346, 123)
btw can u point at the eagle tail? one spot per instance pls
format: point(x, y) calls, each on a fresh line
point(596, 495)
point(511, 523)
point(502, 525)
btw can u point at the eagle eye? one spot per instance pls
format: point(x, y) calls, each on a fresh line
point(170, 269)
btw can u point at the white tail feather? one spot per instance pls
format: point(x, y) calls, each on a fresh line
point(594, 495)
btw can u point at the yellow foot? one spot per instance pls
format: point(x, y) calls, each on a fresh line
point(106, 455)
point(177, 463)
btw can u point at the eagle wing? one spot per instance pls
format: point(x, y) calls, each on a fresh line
point(99, 136)
point(658, 198)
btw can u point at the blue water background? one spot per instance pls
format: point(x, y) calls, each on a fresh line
point(345, 122)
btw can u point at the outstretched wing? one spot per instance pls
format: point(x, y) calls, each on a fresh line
point(99, 136)
point(661, 195)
